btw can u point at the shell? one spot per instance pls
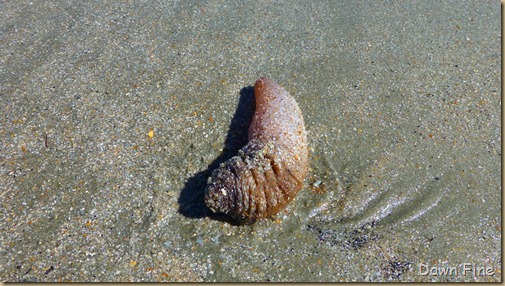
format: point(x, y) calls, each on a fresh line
point(269, 171)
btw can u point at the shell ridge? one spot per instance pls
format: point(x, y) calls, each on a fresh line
point(273, 196)
point(243, 205)
point(251, 208)
point(256, 192)
point(273, 179)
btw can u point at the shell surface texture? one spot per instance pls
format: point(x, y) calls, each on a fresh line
point(269, 171)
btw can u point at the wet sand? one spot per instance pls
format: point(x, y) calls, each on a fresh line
point(113, 115)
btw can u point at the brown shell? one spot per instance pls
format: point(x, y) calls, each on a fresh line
point(269, 171)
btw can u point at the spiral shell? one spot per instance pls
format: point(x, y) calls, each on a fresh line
point(269, 171)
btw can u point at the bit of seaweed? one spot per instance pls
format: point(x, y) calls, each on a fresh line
point(393, 268)
point(345, 238)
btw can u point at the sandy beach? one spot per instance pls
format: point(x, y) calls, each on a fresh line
point(114, 114)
